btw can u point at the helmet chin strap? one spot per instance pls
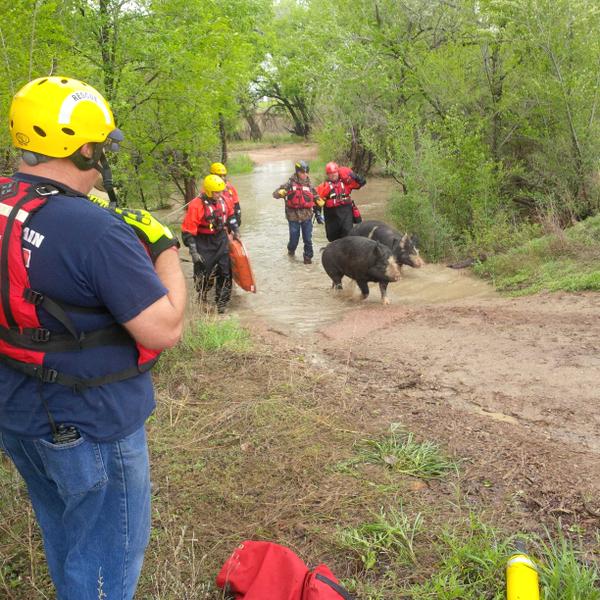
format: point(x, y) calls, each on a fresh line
point(107, 181)
point(99, 162)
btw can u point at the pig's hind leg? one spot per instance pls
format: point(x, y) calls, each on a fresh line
point(364, 289)
point(336, 279)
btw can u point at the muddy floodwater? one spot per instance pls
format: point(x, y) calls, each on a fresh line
point(291, 294)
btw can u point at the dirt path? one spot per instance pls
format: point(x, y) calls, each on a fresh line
point(295, 151)
point(509, 386)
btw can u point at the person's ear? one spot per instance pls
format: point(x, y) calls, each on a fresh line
point(87, 150)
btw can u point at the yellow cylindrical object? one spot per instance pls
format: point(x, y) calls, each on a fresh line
point(521, 578)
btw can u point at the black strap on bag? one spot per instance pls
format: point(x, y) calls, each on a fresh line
point(336, 586)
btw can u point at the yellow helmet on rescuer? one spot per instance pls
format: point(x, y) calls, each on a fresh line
point(219, 169)
point(52, 117)
point(213, 183)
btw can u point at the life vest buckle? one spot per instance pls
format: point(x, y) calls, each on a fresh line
point(33, 297)
point(46, 190)
point(48, 375)
point(40, 335)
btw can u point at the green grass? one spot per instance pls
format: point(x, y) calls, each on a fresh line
point(566, 260)
point(473, 561)
point(239, 164)
point(390, 536)
point(203, 334)
point(399, 452)
point(563, 574)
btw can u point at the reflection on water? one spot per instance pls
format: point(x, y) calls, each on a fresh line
point(293, 296)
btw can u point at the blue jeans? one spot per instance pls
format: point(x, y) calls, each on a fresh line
point(92, 501)
point(306, 227)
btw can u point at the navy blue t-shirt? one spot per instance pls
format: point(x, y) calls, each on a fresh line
point(83, 255)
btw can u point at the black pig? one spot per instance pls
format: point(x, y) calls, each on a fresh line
point(363, 260)
point(403, 247)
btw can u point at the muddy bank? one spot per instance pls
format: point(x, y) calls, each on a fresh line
point(289, 152)
point(508, 386)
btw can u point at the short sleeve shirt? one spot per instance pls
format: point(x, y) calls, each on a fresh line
point(83, 255)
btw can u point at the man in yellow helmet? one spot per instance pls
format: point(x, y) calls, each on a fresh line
point(204, 230)
point(230, 194)
point(89, 299)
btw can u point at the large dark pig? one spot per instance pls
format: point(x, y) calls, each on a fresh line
point(403, 247)
point(360, 259)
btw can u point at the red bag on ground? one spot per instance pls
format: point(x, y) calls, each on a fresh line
point(268, 571)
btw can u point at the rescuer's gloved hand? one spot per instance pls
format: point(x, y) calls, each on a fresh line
point(320, 202)
point(282, 192)
point(196, 256)
point(358, 178)
point(156, 236)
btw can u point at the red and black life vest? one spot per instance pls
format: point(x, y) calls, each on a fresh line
point(299, 195)
point(337, 195)
point(24, 343)
point(214, 218)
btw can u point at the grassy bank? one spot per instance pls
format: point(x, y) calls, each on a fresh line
point(250, 440)
point(562, 260)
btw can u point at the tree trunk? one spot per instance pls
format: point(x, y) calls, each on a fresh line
point(255, 132)
point(223, 136)
point(360, 157)
point(189, 183)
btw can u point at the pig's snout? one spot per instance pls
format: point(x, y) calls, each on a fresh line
point(416, 261)
point(392, 271)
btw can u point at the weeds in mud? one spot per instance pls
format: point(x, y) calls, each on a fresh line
point(563, 260)
point(401, 453)
point(472, 560)
point(391, 536)
point(203, 334)
point(563, 574)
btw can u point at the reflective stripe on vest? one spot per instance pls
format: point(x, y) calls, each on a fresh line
point(24, 343)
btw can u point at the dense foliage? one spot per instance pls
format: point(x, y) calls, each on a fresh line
point(171, 69)
point(484, 111)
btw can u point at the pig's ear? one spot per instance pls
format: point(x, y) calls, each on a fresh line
point(379, 249)
point(395, 244)
point(415, 240)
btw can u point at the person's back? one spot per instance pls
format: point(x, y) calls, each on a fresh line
point(101, 265)
point(85, 309)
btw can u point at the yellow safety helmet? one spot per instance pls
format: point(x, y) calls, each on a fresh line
point(55, 116)
point(213, 183)
point(219, 169)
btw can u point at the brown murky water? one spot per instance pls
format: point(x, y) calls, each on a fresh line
point(296, 297)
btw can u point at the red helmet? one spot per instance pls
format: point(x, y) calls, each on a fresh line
point(331, 167)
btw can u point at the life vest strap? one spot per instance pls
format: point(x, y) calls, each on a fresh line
point(44, 340)
point(47, 375)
